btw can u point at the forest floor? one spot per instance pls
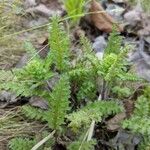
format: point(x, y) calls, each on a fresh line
point(29, 21)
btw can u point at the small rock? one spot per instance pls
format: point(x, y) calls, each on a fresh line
point(37, 22)
point(134, 16)
point(30, 3)
point(115, 11)
point(99, 44)
point(8, 97)
point(114, 123)
point(39, 102)
point(23, 61)
point(43, 10)
point(99, 55)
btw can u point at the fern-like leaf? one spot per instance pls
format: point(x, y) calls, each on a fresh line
point(58, 103)
point(21, 144)
point(34, 113)
point(94, 111)
point(59, 43)
point(86, 145)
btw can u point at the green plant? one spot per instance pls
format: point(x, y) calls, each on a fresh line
point(79, 145)
point(21, 144)
point(74, 8)
point(94, 111)
point(140, 120)
point(83, 80)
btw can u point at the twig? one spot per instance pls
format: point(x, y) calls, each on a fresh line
point(43, 141)
point(84, 139)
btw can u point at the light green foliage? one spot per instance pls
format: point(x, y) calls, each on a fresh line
point(114, 44)
point(26, 81)
point(34, 113)
point(82, 80)
point(59, 43)
point(85, 145)
point(21, 144)
point(58, 103)
point(74, 8)
point(94, 111)
point(113, 66)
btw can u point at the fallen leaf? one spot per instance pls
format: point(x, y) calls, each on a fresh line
point(114, 123)
point(102, 20)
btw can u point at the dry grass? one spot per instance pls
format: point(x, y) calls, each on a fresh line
point(13, 124)
point(10, 47)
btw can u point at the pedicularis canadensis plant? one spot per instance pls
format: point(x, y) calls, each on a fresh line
point(72, 100)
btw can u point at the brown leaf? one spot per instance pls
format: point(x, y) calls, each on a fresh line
point(129, 107)
point(102, 20)
point(114, 123)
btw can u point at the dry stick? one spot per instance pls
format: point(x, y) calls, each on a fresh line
point(43, 141)
point(84, 139)
point(38, 52)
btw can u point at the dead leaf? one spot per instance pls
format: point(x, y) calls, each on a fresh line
point(114, 123)
point(129, 107)
point(102, 20)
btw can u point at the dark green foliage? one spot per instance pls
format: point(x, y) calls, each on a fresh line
point(122, 91)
